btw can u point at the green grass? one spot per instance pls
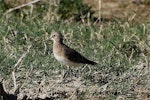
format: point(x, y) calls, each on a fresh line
point(118, 47)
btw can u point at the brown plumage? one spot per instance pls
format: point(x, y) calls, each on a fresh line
point(66, 55)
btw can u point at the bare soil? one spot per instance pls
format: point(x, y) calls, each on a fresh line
point(128, 10)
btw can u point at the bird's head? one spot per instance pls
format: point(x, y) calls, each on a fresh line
point(56, 37)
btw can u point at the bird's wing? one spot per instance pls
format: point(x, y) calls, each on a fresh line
point(74, 56)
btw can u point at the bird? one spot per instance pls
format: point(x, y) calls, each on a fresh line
point(66, 55)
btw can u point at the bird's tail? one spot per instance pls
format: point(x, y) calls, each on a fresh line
point(91, 62)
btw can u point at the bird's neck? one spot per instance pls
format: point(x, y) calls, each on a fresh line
point(57, 45)
point(59, 42)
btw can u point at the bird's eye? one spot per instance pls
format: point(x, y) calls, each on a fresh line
point(53, 36)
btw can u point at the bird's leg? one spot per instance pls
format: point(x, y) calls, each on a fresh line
point(77, 72)
point(65, 73)
point(62, 73)
point(84, 68)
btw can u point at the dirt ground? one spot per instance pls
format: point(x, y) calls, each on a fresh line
point(129, 10)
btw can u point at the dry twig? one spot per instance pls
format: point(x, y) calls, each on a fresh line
point(18, 62)
point(21, 58)
point(21, 6)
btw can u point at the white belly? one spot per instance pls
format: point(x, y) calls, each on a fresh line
point(61, 59)
point(66, 61)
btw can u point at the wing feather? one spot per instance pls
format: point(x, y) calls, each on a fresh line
point(74, 56)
